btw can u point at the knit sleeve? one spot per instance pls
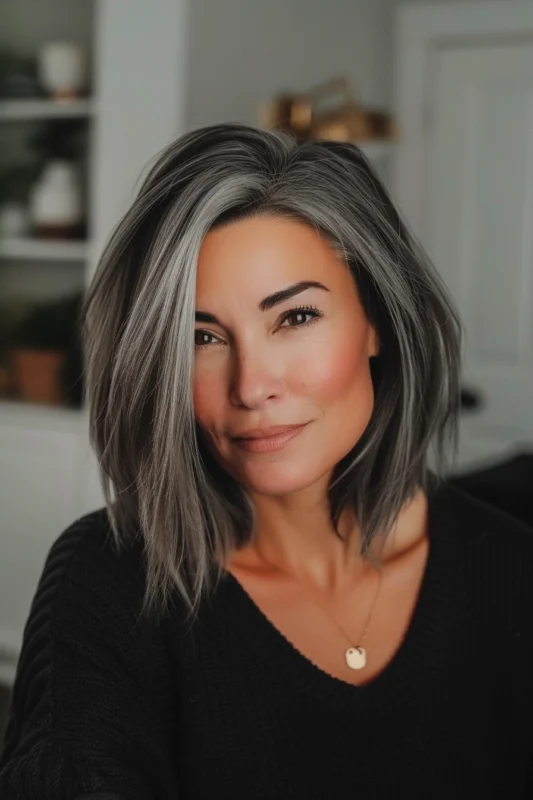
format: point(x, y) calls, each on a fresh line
point(91, 707)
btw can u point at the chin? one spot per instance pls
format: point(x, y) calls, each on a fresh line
point(280, 479)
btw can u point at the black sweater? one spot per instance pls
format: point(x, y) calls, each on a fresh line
point(106, 701)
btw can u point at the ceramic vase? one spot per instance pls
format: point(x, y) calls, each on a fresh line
point(56, 201)
point(61, 69)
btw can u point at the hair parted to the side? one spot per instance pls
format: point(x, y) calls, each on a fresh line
point(138, 329)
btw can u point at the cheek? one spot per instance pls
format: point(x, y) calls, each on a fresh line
point(206, 397)
point(341, 373)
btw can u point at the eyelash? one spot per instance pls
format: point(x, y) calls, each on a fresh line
point(312, 311)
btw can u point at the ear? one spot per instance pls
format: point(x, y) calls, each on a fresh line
point(372, 342)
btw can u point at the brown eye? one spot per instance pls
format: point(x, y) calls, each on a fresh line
point(203, 338)
point(299, 317)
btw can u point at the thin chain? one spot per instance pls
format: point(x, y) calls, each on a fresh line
point(328, 613)
point(369, 618)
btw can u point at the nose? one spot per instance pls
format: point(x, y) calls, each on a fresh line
point(256, 377)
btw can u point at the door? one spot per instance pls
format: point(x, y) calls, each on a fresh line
point(478, 224)
point(475, 218)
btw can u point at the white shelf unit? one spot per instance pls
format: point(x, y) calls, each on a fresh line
point(48, 477)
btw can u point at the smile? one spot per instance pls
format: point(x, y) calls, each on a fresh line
point(267, 443)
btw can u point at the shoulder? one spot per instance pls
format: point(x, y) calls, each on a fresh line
point(90, 533)
point(87, 612)
point(89, 541)
point(490, 537)
point(94, 689)
point(481, 516)
point(91, 588)
point(86, 560)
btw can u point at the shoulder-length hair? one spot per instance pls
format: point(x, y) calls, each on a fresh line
point(138, 330)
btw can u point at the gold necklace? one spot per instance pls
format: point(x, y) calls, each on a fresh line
point(355, 655)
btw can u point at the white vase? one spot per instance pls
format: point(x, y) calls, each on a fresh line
point(56, 208)
point(62, 69)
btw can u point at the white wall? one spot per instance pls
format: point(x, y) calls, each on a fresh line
point(244, 51)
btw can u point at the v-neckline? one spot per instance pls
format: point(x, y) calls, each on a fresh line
point(426, 629)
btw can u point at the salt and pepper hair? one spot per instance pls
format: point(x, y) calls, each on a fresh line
point(160, 483)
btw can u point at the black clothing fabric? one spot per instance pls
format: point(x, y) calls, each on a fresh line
point(107, 703)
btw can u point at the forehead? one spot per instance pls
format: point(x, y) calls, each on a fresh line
point(263, 254)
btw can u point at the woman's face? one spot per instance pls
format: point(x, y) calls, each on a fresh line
point(282, 386)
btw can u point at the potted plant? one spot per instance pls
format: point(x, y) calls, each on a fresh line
point(42, 346)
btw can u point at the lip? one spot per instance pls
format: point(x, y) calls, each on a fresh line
point(266, 440)
point(265, 433)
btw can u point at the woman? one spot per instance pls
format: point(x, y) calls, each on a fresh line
point(280, 599)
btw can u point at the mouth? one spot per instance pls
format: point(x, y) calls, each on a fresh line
point(267, 440)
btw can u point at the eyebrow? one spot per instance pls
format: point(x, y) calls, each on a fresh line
point(272, 300)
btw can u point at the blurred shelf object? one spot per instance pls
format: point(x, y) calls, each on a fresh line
point(44, 250)
point(311, 115)
point(19, 110)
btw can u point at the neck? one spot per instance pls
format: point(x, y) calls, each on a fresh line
point(295, 535)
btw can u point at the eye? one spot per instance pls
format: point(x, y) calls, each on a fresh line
point(300, 317)
point(204, 338)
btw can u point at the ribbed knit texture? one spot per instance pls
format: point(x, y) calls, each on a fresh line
point(109, 705)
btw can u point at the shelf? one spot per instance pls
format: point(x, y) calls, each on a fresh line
point(44, 250)
point(15, 413)
point(13, 110)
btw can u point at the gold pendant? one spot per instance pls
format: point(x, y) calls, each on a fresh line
point(356, 657)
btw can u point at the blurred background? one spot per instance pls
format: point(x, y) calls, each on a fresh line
point(439, 95)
